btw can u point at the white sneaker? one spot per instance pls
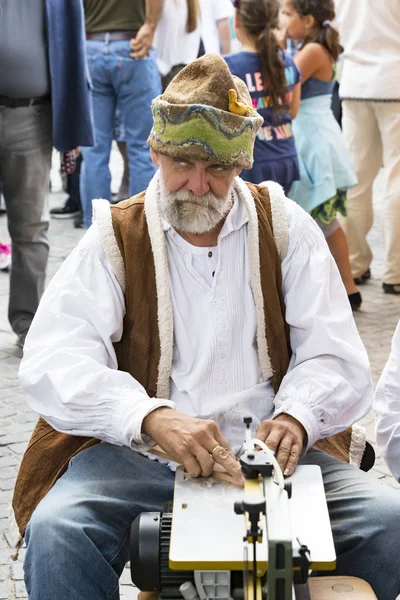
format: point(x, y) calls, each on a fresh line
point(5, 257)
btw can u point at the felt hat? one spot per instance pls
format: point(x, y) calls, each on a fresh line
point(206, 113)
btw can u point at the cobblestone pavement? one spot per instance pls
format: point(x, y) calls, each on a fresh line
point(376, 322)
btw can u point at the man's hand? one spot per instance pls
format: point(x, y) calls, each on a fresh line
point(197, 444)
point(141, 44)
point(284, 436)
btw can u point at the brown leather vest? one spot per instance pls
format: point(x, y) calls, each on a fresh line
point(138, 351)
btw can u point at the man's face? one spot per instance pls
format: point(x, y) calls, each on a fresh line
point(196, 194)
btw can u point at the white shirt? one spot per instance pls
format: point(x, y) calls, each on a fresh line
point(69, 371)
point(387, 408)
point(173, 44)
point(211, 12)
point(208, 375)
point(369, 31)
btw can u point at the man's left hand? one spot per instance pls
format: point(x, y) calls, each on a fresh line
point(285, 436)
point(141, 44)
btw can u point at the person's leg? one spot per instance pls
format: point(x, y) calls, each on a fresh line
point(25, 165)
point(337, 243)
point(72, 205)
point(123, 191)
point(388, 117)
point(2, 205)
point(363, 140)
point(119, 136)
point(136, 83)
point(338, 246)
point(78, 537)
point(73, 185)
point(365, 516)
point(95, 172)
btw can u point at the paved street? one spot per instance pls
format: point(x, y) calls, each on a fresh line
point(376, 322)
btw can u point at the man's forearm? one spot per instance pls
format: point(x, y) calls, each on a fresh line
point(153, 12)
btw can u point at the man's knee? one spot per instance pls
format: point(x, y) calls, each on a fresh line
point(384, 510)
point(50, 522)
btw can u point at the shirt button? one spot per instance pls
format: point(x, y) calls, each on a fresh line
point(210, 254)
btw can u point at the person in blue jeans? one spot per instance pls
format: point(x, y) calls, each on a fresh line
point(119, 78)
point(44, 104)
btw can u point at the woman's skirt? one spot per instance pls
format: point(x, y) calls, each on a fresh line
point(326, 166)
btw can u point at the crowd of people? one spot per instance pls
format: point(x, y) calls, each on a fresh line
point(327, 172)
point(227, 265)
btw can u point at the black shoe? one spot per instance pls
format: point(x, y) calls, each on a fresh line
point(391, 288)
point(78, 221)
point(64, 212)
point(355, 300)
point(21, 339)
point(363, 278)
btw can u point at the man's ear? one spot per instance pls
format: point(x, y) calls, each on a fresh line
point(155, 158)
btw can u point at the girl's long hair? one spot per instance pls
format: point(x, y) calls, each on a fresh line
point(324, 33)
point(260, 18)
point(193, 15)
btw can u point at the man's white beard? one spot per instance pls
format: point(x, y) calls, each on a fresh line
point(194, 214)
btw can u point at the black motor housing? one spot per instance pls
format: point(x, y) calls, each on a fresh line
point(149, 556)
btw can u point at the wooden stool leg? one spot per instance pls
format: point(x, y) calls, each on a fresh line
point(147, 596)
point(340, 588)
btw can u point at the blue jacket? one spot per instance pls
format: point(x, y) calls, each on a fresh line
point(70, 87)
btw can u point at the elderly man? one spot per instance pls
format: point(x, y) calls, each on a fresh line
point(182, 310)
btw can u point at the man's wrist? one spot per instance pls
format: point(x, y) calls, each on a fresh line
point(290, 419)
point(150, 420)
point(151, 25)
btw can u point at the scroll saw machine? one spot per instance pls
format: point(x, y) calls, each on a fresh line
point(222, 542)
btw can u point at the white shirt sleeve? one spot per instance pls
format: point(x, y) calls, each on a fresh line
point(328, 385)
point(387, 408)
point(222, 9)
point(69, 372)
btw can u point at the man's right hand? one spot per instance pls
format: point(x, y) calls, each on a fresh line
point(141, 44)
point(197, 444)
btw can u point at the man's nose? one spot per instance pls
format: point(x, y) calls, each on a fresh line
point(198, 184)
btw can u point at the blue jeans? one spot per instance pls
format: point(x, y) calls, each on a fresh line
point(78, 537)
point(118, 80)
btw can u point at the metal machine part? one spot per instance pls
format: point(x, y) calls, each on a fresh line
point(206, 541)
point(150, 572)
point(150, 541)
